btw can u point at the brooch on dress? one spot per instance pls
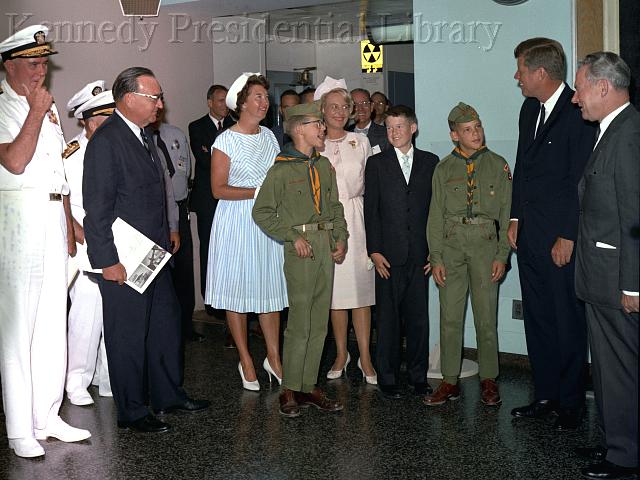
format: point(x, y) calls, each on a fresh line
point(353, 144)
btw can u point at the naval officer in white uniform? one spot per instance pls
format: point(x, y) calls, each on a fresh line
point(34, 244)
point(87, 357)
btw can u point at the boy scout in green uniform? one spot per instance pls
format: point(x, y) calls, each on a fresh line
point(298, 204)
point(471, 192)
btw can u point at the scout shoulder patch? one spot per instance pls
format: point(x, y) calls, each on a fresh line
point(72, 147)
point(507, 170)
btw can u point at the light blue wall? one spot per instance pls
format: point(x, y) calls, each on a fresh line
point(458, 62)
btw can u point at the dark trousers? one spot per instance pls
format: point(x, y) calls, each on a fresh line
point(204, 222)
point(402, 300)
point(555, 328)
point(613, 337)
point(142, 338)
point(182, 272)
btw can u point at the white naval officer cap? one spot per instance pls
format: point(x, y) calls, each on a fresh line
point(236, 86)
point(101, 104)
point(29, 42)
point(87, 92)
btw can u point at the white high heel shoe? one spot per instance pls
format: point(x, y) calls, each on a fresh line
point(253, 386)
point(267, 366)
point(333, 374)
point(370, 379)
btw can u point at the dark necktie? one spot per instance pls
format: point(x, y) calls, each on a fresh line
point(597, 133)
point(163, 148)
point(145, 140)
point(541, 121)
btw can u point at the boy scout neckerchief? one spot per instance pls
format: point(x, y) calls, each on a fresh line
point(291, 154)
point(471, 174)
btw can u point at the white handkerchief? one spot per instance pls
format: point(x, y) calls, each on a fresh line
point(605, 245)
point(376, 149)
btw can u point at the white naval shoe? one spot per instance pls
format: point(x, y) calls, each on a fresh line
point(80, 397)
point(57, 428)
point(26, 447)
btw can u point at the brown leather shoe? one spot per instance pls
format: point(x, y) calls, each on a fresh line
point(317, 398)
point(288, 405)
point(489, 393)
point(444, 392)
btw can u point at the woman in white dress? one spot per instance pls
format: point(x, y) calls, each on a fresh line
point(353, 285)
point(245, 269)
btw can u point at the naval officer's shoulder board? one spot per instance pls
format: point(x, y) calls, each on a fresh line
point(72, 147)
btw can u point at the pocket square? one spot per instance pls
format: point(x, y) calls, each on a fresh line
point(605, 245)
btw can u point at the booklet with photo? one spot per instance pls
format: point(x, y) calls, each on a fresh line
point(140, 256)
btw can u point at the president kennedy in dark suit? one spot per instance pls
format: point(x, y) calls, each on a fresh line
point(124, 177)
point(553, 146)
point(202, 133)
point(396, 204)
point(607, 259)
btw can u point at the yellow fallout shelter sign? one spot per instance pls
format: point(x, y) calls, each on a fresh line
point(371, 57)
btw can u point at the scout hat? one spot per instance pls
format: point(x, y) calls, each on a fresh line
point(327, 85)
point(101, 104)
point(303, 110)
point(463, 113)
point(236, 86)
point(27, 43)
point(87, 92)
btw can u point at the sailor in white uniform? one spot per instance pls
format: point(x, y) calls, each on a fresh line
point(34, 247)
point(91, 106)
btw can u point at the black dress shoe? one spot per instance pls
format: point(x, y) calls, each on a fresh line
point(608, 470)
point(392, 392)
point(148, 424)
point(537, 409)
point(188, 406)
point(421, 389)
point(595, 454)
point(568, 419)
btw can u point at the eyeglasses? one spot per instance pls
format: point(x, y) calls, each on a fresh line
point(334, 107)
point(362, 104)
point(380, 102)
point(319, 123)
point(155, 98)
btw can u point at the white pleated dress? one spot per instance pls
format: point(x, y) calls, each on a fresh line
point(353, 281)
point(245, 269)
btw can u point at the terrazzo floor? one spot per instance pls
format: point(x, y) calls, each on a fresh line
point(242, 435)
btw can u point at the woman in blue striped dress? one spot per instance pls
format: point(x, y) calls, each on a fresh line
point(245, 269)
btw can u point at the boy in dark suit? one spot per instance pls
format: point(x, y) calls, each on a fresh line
point(396, 205)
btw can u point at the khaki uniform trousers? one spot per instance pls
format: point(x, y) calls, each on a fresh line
point(468, 253)
point(309, 287)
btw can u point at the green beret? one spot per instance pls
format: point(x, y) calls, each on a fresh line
point(463, 113)
point(304, 110)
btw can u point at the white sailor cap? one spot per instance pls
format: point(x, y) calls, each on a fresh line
point(327, 85)
point(89, 91)
point(27, 43)
point(101, 104)
point(236, 86)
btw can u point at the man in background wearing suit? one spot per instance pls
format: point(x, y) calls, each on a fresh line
point(202, 133)
point(171, 143)
point(396, 205)
point(607, 259)
point(376, 134)
point(124, 177)
point(553, 146)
